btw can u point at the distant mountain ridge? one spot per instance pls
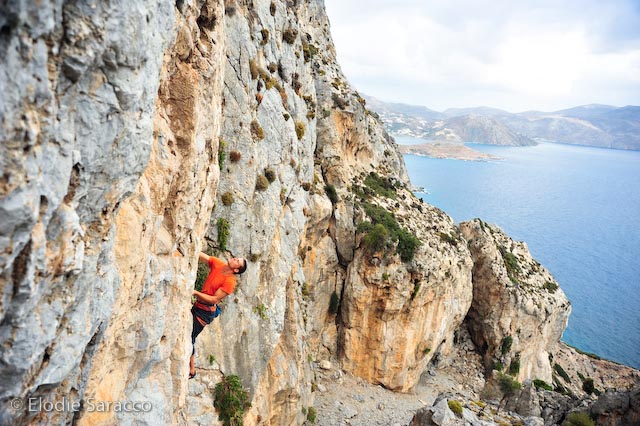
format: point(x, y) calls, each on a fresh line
point(595, 125)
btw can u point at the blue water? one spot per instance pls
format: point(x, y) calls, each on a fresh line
point(578, 209)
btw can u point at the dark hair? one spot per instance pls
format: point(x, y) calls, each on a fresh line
point(243, 267)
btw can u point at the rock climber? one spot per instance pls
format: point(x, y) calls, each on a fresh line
point(220, 283)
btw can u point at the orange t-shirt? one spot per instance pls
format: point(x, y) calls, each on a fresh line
point(217, 279)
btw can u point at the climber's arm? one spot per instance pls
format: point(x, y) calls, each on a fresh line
point(209, 299)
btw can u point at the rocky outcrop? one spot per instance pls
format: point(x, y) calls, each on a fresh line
point(617, 408)
point(518, 312)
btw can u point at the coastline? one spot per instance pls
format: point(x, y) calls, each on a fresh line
point(445, 150)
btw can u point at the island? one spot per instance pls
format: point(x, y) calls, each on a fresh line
point(453, 151)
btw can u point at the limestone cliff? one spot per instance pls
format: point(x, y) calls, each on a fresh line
point(135, 134)
point(518, 312)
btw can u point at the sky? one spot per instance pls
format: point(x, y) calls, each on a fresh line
point(515, 55)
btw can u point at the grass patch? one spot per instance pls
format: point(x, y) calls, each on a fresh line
point(256, 130)
point(261, 311)
point(222, 155)
point(514, 367)
point(300, 130)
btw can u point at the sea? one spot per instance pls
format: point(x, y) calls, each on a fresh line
point(578, 210)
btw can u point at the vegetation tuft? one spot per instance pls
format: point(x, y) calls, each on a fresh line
point(511, 263)
point(256, 131)
point(223, 233)
point(381, 185)
point(455, 406)
point(300, 129)
point(507, 341)
point(578, 419)
point(270, 174)
point(235, 156)
point(508, 385)
point(558, 369)
point(289, 35)
point(231, 401)
point(227, 198)
point(390, 232)
point(514, 367)
point(541, 384)
point(262, 183)
point(330, 190)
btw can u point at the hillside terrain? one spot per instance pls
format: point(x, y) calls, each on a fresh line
point(591, 125)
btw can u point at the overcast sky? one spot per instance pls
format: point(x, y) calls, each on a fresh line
point(514, 55)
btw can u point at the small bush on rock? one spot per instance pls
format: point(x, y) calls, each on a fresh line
point(262, 183)
point(227, 198)
point(455, 406)
point(231, 400)
point(578, 419)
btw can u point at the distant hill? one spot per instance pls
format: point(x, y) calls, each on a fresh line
point(592, 125)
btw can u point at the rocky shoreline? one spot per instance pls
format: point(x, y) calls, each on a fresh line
point(453, 151)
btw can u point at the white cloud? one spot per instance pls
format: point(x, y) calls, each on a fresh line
point(513, 55)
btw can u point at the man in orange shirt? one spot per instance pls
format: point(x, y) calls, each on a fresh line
point(220, 283)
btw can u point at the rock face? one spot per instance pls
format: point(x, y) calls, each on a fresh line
point(136, 134)
point(518, 312)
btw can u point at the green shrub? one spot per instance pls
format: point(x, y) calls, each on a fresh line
point(223, 233)
point(300, 129)
point(270, 174)
point(558, 369)
point(330, 190)
point(380, 185)
point(334, 303)
point(235, 156)
point(507, 341)
point(497, 365)
point(231, 401)
point(541, 384)
point(262, 183)
point(407, 245)
point(587, 386)
point(550, 286)
point(407, 242)
point(256, 130)
point(212, 359)
point(286, 116)
point(376, 239)
point(416, 289)
point(508, 385)
point(309, 50)
point(289, 35)
point(261, 311)
point(511, 263)
point(578, 419)
point(455, 406)
point(311, 414)
point(227, 198)
point(514, 367)
point(447, 238)
point(222, 155)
